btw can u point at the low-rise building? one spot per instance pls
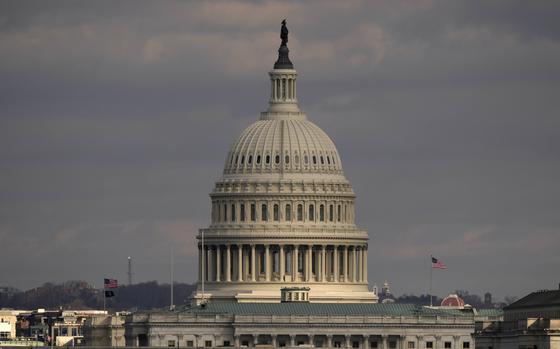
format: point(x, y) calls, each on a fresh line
point(533, 322)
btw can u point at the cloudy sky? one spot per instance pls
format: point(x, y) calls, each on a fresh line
point(115, 119)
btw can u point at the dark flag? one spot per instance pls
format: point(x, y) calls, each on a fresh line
point(111, 283)
point(109, 294)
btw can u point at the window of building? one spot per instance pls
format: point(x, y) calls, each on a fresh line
point(207, 344)
point(410, 345)
point(242, 159)
point(355, 344)
point(337, 344)
point(314, 160)
point(276, 212)
point(236, 159)
point(429, 345)
point(225, 213)
point(322, 213)
point(258, 159)
point(322, 160)
point(287, 159)
point(331, 213)
point(171, 343)
point(264, 212)
point(250, 160)
point(447, 345)
point(392, 344)
point(190, 344)
point(288, 212)
point(466, 345)
point(338, 213)
point(328, 160)
point(253, 213)
point(226, 344)
point(300, 212)
point(268, 159)
point(233, 213)
point(306, 159)
point(242, 212)
point(311, 212)
point(277, 159)
point(373, 345)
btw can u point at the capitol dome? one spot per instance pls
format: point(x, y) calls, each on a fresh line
point(283, 145)
point(283, 213)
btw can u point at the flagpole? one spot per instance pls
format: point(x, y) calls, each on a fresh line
point(431, 269)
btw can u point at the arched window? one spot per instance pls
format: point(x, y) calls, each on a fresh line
point(333, 162)
point(250, 160)
point(338, 213)
point(258, 159)
point(242, 212)
point(328, 160)
point(314, 160)
point(276, 212)
point(331, 213)
point(322, 160)
point(322, 213)
point(287, 159)
point(253, 213)
point(288, 212)
point(264, 212)
point(268, 159)
point(236, 158)
point(277, 159)
point(242, 159)
point(311, 212)
point(233, 213)
point(300, 212)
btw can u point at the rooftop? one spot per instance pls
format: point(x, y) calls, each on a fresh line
point(536, 299)
point(342, 309)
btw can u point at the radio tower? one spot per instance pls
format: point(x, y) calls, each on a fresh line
point(129, 271)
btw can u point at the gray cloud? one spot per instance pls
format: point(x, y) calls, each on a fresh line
point(115, 119)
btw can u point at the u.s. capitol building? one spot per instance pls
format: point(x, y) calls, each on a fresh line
point(283, 262)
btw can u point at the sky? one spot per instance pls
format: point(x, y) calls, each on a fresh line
point(116, 117)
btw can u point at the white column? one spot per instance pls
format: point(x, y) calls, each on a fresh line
point(353, 266)
point(345, 263)
point(295, 276)
point(239, 263)
point(359, 265)
point(228, 263)
point(267, 262)
point(218, 262)
point(308, 263)
point(253, 264)
point(335, 263)
point(365, 278)
point(282, 260)
point(323, 263)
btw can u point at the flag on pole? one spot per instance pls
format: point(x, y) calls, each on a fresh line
point(111, 283)
point(437, 264)
point(109, 294)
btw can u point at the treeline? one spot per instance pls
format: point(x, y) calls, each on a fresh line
point(81, 295)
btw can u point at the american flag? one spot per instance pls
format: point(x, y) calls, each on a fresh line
point(111, 283)
point(437, 264)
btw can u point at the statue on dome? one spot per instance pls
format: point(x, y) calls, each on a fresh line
point(284, 33)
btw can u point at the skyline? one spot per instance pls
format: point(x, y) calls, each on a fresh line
point(116, 119)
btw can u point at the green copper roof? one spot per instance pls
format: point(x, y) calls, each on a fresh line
point(490, 312)
point(342, 309)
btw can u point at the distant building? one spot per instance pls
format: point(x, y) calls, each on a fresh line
point(488, 299)
point(386, 296)
point(533, 322)
point(104, 331)
point(453, 301)
point(8, 320)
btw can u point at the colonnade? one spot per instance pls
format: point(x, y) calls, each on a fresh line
point(283, 262)
point(282, 88)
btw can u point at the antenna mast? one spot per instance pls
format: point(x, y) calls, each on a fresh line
point(129, 271)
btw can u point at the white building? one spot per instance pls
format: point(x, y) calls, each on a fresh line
point(282, 262)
